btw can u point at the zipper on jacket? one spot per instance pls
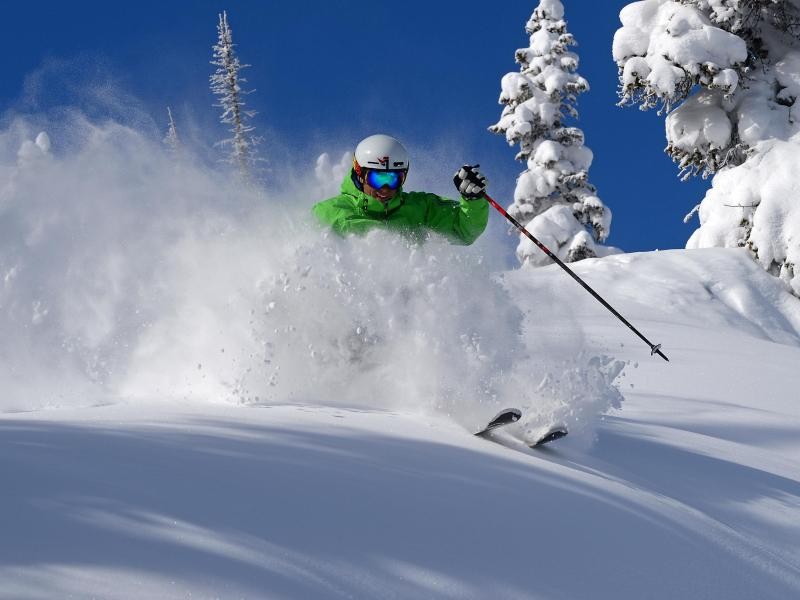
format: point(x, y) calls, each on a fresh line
point(386, 210)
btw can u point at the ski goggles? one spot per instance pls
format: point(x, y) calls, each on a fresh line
point(390, 179)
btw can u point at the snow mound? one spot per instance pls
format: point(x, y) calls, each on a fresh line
point(704, 288)
point(755, 205)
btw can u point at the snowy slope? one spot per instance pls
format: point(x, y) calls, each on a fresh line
point(690, 488)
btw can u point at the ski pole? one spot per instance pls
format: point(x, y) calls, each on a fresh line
point(654, 348)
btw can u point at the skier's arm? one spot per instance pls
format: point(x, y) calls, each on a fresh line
point(338, 214)
point(462, 221)
point(332, 213)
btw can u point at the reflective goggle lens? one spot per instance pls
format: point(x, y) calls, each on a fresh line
point(378, 179)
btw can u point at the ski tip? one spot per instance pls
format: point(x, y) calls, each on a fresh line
point(504, 417)
point(550, 436)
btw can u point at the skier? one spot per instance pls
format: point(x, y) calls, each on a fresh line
point(372, 196)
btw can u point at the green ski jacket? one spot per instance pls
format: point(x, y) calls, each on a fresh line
point(353, 211)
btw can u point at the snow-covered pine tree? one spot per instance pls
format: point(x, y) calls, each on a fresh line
point(171, 139)
point(553, 196)
point(727, 72)
point(226, 84)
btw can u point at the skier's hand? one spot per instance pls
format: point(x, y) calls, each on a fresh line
point(469, 182)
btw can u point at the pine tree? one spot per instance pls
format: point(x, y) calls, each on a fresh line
point(553, 196)
point(727, 72)
point(226, 84)
point(171, 139)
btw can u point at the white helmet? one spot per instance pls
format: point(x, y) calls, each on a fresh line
point(380, 152)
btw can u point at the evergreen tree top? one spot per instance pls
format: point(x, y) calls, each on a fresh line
point(553, 195)
point(552, 10)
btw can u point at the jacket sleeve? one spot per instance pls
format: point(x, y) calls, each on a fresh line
point(333, 213)
point(462, 221)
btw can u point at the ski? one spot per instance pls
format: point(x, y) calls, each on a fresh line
point(555, 433)
point(504, 417)
point(512, 415)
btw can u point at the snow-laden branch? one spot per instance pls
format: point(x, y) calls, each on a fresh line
point(728, 74)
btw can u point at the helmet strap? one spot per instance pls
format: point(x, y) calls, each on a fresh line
point(357, 180)
point(357, 175)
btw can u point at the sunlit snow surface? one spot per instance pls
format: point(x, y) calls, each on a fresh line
point(205, 396)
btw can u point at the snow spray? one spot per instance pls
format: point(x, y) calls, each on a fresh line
point(128, 274)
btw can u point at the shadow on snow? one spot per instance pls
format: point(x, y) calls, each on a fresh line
point(258, 509)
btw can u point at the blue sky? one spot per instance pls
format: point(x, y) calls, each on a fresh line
point(328, 73)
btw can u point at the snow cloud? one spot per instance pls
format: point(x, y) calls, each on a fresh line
point(127, 272)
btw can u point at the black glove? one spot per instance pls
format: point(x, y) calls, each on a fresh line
point(469, 182)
